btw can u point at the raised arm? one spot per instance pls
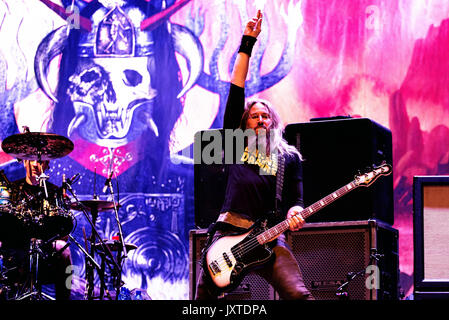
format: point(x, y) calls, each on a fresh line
point(236, 98)
point(252, 30)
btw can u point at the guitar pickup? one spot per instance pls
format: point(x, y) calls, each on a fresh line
point(214, 267)
point(228, 261)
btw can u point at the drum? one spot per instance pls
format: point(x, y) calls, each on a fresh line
point(49, 222)
point(56, 222)
point(5, 195)
point(10, 227)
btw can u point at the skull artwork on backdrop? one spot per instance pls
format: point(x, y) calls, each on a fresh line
point(112, 107)
point(117, 83)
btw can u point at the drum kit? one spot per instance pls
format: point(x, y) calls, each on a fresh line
point(52, 220)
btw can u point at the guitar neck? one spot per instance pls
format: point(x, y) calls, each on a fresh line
point(310, 210)
point(281, 227)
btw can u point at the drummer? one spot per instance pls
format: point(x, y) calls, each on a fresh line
point(31, 191)
point(28, 194)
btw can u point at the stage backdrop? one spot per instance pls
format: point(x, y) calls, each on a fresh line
point(130, 82)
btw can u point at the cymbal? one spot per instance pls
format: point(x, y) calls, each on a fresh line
point(39, 146)
point(94, 204)
point(115, 245)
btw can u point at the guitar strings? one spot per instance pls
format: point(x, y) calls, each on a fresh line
point(246, 247)
point(254, 242)
point(251, 244)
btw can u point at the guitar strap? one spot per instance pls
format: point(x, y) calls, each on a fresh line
point(279, 183)
point(278, 199)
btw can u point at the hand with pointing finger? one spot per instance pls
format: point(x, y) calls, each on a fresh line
point(253, 27)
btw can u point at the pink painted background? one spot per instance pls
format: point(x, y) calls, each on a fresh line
point(384, 60)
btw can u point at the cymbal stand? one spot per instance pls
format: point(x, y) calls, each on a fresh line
point(91, 261)
point(95, 234)
point(122, 254)
point(35, 289)
point(89, 269)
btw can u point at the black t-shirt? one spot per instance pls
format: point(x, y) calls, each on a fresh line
point(250, 191)
point(32, 195)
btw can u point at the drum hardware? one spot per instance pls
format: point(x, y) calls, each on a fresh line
point(41, 146)
point(8, 277)
point(49, 222)
point(123, 253)
point(39, 224)
point(108, 185)
point(94, 206)
point(116, 246)
point(37, 251)
point(90, 259)
point(35, 287)
point(38, 146)
point(42, 178)
point(45, 223)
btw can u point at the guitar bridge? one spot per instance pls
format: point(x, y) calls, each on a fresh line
point(214, 267)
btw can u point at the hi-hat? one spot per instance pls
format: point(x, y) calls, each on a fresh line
point(39, 146)
point(94, 205)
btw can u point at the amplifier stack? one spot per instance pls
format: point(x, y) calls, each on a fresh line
point(348, 250)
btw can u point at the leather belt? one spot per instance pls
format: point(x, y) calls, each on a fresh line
point(235, 219)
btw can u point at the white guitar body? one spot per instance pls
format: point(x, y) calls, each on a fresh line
point(222, 278)
point(229, 258)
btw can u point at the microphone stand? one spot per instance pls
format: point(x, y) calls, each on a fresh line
point(342, 291)
point(42, 178)
point(120, 257)
point(92, 260)
point(94, 234)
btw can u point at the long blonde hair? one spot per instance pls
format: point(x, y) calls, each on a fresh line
point(276, 130)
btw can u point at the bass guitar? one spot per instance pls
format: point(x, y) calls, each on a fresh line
point(230, 257)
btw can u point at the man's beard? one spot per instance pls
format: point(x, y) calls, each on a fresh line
point(260, 141)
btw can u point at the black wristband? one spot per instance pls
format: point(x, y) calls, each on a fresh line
point(247, 44)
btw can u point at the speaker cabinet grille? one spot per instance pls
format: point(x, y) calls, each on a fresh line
point(326, 253)
point(329, 253)
point(253, 286)
point(325, 260)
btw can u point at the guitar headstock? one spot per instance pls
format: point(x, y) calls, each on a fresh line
point(368, 178)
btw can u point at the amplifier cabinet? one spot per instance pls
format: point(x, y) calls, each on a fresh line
point(360, 257)
point(329, 254)
point(334, 151)
point(253, 286)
